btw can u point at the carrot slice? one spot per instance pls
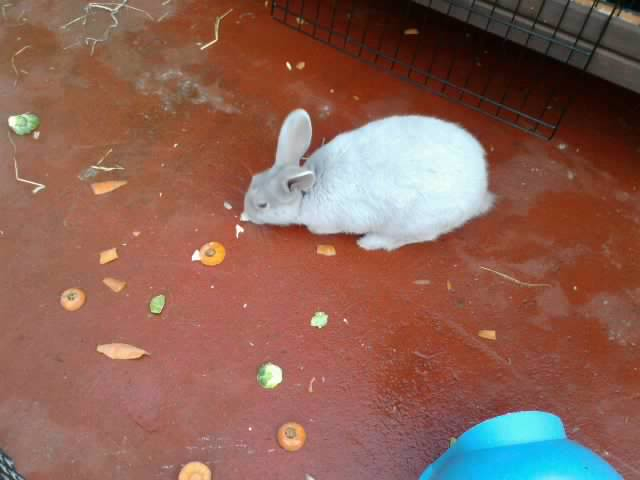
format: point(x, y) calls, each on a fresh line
point(195, 471)
point(212, 253)
point(73, 299)
point(291, 436)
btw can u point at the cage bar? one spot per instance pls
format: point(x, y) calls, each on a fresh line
point(468, 51)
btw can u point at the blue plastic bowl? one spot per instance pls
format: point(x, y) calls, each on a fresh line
point(519, 446)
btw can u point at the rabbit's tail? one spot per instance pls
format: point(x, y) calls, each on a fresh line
point(487, 203)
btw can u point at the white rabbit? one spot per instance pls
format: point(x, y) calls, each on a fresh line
point(399, 180)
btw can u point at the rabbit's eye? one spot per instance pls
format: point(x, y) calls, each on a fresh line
point(263, 205)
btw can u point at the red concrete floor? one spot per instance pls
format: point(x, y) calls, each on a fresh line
point(568, 217)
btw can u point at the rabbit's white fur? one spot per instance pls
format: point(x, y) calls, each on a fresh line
point(399, 180)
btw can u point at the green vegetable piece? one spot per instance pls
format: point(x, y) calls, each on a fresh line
point(452, 441)
point(24, 124)
point(156, 305)
point(319, 320)
point(269, 375)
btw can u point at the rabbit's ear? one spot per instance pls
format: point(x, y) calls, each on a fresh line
point(294, 139)
point(297, 179)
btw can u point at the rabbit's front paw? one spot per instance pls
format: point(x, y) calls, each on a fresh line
point(374, 241)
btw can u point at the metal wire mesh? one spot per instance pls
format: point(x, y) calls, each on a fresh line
point(506, 58)
point(8, 468)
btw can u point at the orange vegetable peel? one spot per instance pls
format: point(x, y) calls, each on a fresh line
point(108, 256)
point(114, 284)
point(100, 188)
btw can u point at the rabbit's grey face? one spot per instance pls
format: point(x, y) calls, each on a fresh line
point(275, 195)
point(270, 199)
